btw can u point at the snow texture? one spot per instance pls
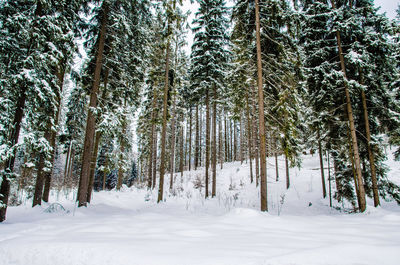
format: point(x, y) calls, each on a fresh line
point(129, 227)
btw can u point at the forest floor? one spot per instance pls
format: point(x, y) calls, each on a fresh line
point(129, 227)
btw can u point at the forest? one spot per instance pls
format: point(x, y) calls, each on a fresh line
point(97, 94)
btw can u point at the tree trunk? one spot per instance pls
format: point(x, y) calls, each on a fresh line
point(321, 163)
point(287, 171)
point(46, 191)
point(172, 143)
point(362, 200)
point(370, 152)
point(220, 142)
point(98, 135)
point(234, 141)
point(207, 159)
point(9, 164)
point(249, 134)
point(256, 146)
point(276, 162)
point(196, 154)
point(105, 173)
point(164, 124)
point(226, 139)
point(263, 187)
point(67, 161)
point(200, 138)
point(91, 119)
point(155, 147)
point(214, 145)
point(37, 197)
point(93, 165)
point(231, 158)
point(190, 138)
point(181, 161)
point(329, 181)
point(241, 139)
point(121, 157)
point(151, 140)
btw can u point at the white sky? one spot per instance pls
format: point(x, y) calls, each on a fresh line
point(388, 6)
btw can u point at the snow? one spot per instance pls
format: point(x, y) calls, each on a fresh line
point(129, 227)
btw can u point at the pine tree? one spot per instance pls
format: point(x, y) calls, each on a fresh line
point(208, 64)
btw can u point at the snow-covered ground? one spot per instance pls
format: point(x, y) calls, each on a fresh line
point(129, 227)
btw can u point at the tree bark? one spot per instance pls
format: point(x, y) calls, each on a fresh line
point(171, 182)
point(91, 119)
point(196, 154)
point(98, 135)
point(181, 161)
point(226, 139)
point(263, 186)
point(93, 165)
point(214, 145)
point(362, 200)
point(38, 194)
point(46, 191)
point(370, 152)
point(287, 171)
point(249, 134)
point(220, 141)
point(241, 139)
point(190, 138)
point(207, 158)
point(155, 147)
point(321, 163)
point(9, 164)
point(164, 124)
point(276, 162)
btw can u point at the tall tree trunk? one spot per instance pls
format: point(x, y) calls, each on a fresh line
point(172, 143)
point(256, 145)
point(38, 194)
point(207, 159)
point(329, 180)
point(234, 141)
point(196, 153)
point(164, 124)
point(354, 169)
point(181, 161)
point(221, 160)
point(321, 163)
point(9, 164)
point(287, 171)
point(91, 119)
point(155, 147)
point(226, 139)
point(371, 155)
point(200, 138)
point(98, 136)
point(67, 161)
point(276, 161)
point(362, 200)
point(46, 191)
point(214, 144)
point(122, 150)
point(151, 140)
point(241, 139)
point(105, 173)
point(190, 138)
point(231, 158)
point(249, 134)
point(93, 165)
point(263, 187)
